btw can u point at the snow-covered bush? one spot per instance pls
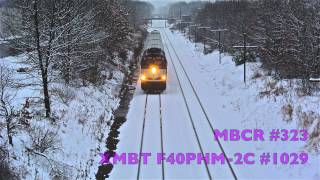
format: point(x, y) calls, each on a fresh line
point(43, 138)
point(287, 111)
point(256, 75)
point(66, 94)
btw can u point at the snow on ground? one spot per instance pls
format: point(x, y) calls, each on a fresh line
point(262, 103)
point(75, 139)
point(234, 105)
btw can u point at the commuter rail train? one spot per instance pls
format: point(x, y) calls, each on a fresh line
point(153, 65)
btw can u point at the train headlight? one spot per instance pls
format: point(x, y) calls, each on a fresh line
point(154, 70)
point(163, 77)
point(143, 77)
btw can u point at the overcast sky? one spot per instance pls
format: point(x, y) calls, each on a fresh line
point(159, 2)
point(164, 2)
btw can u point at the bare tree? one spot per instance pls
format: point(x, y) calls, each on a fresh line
point(75, 39)
point(43, 139)
point(7, 96)
point(59, 35)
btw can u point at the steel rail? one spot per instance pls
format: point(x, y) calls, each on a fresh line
point(189, 112)
point(200, 103)
point(142, 135)
point(161, 133)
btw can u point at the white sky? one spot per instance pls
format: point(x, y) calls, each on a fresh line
point(162, 2)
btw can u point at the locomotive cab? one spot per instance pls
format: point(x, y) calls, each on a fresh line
point(153, 70)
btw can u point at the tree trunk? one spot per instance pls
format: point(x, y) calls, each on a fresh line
point(8, 131)
point(46, 96)
point(44, 72)
point(10, 140)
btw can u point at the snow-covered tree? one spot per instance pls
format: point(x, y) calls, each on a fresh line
point(286, 31)
point(7, 95)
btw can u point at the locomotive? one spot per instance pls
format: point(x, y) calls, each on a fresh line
point(153, 65)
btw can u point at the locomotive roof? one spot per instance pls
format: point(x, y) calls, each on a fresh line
point(154, 41)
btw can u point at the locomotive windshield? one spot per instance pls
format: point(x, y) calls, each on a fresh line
point(154, 51)
point(154, 56)
point(160, 61)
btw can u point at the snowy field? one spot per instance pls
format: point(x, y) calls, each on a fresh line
point(263, 103)
point(77, 136)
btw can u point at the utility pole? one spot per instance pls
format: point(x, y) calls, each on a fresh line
point(245, 47)
point(219, 43)
point(219, 47)
point(204, 36)
point(195, 32)
point(204, 41)
point(244, 55)
point(180, 15)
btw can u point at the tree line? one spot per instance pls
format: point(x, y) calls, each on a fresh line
point(287, 32)
point(78, 41)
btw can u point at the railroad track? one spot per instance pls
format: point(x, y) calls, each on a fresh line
point(198, 99)
point(142, 134)
point(172, 53)
point(143, 130)
point(188, 109)
point(161, 135)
